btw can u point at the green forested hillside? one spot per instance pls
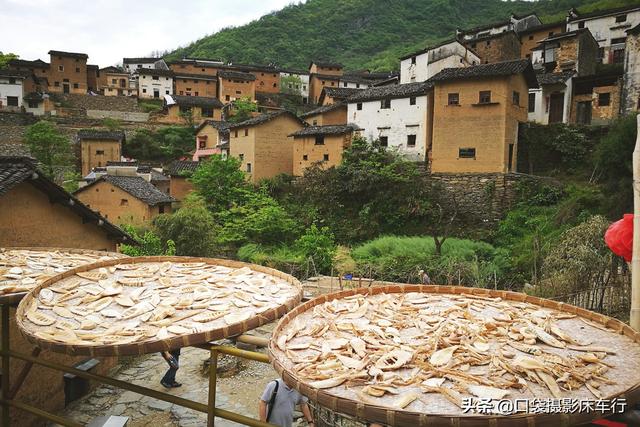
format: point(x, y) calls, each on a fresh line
point(365, 33)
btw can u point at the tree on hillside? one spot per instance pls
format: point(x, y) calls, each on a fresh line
point(220, 182)
point(5, 58)
point(242, 109)
point(291, 85)
point(51, 148)
point(165, 144)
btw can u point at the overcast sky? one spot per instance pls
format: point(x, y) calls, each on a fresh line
point(108, 30)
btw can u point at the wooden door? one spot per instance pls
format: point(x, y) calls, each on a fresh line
point(556, 108)
point(65, 87)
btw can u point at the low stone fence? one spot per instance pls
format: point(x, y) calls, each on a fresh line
point(127, 116)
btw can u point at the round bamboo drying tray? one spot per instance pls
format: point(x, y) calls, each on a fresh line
point(15, 297)
point(344, 399)
point(153, 344)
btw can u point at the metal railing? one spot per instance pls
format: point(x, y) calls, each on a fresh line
point(209, 408)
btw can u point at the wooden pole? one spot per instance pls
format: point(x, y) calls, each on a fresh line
point(634, 318)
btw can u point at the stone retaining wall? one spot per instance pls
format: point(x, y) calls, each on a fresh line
point(128, 116)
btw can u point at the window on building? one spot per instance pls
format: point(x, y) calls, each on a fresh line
point(238, 92)
point(144, 91)
point(488, 43)
point(206, 111)
point(56, 84)
point(12, 101)
point(618, 56)
point(604, 99)
point(319, 139)
point(12, 80)
point(325, 158)
point(60, 67)
point(155, 78)
point(384, 141)
point(181, 93)
point(484, 97)
point(412, 100)
point(185, 110)
point(581, 24)
point(621, 18)
point(532, 102)
point(246, 132)
point(77, 69)
point(619, 40)
point(241, 157)
point(99, 152)
point(531, 37)
point(413, 60)
point(305, 157)
point(124, 202)
point(33, 104)
point(275, 85)
point(515, 98)
point(454, 99)
point(344, 84)
point(359, 106)
point(114, 81)
point(315, 122)
point(411, 140)
point(161, 209)
point(166, 92)
point(357, 85)
point(202, 143)
point(466, 153)
point(227, 97)
point(550, 33)
point(235, 133)
point(196, 93)
point(332, 83)
point(249, 167)
point(385, 104)
point(76, 86)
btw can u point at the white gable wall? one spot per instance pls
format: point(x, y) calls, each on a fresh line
point(396, 123)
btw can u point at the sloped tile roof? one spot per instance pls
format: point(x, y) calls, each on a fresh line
point(220, 125)
point(38, 63)
point(182, 167)
point(497, 69)
point(323, 109)
point(116, 135)
point(69, 54)
point(554, 78)
point(340, 92)
point(155, 72)
point(574, 15)
point(326, 130)
point(239, 75)
point(137, 186)
point(263, 118)
point(140, 60)
point(391, 91)
point(14, 73)
point(179, 75)
point(197, 101)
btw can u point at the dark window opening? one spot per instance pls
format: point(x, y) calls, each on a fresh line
point(99, 152)
point(532, 102)
point(75, 86)
point(12, 101)
point(207, 112)
point(412, 100)
point(246, 132)
point(485, 97)
point(124, 202)
point(413, 60)
point(467, 153)
point(155, 78)
point(618, 56)
point(530, 37)
point(581, 24)
point(454, 99)
point(385, 104)
point(241, 157)
point(305, 157)
point(621, 18)
point(319, 140)
point(325, 158)
point(249, 167)
point(33, 104)
point(516, 98)
point(411, 140)
point(384, 141)
point(161, 209)
point(359, 106)
point(604, 99)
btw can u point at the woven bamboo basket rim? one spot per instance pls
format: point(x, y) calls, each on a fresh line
point(16, 297)
point(153, 346)
point(394, 417)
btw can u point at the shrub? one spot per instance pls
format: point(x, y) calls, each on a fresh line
point(149, 243)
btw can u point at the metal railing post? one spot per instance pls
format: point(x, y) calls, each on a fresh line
point(213, 370)
point(4, 309)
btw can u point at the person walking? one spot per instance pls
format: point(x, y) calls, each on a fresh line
point(277, 403)
point(172, 357)
point(426, 280)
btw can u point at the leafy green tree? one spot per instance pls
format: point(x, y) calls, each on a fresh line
point(149, 243)
point(191, 228)
point(319, 245)
point(166, 144)
point(71, 181)
point(51, 148)
point(291, 85)
point(242, 109)
point(5, 58)
point(143, 145)
point(220, 182)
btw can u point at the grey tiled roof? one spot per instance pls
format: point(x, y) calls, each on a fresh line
point(69, 54)
point(263, 118)
point(340, 92)
point(182, 167)
point(137, 186)
point(554, 78)
point(391, 91)
point(38, 63)
point(574, 15)
point(238, 75)
point(326, 130)
point(125, 163)
point(157, 176)
point(116, 135)
point(323, 109)
point(155, 72)
point(497, 69)
point(197, 101)
point(14, 73)
point(140, 60)
point(220, 125)
point(14, 150)
point(326, 64)
point(16, 169)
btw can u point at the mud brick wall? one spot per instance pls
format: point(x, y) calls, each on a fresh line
point(99, 102)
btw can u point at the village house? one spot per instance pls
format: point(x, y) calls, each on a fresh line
point(320, 144)
point(514, 23)
point(263, 146)
point(93, 75)
point(67, 72)
point(196, 85)
point(478, 112)
point(332, 95)
point(193, 109)
point(38, 67)
point(608, 28)
point(130, 168)
point(12, 83)
point(551, 101)
point(212, 137)
point(495, 47)
point(267, 77)
point(298, 84)
point(234, 85)
point(115, 82)
point(125, 199)
point(330, 114)
point(532, 36)
point(363, 79)
point(631, 93)
point(196, 66)
point(134, 65)
point(419, 66)
point(395, 115)
point(154, 83)
point(97, 147)
point(323, 74)
point(179, 173)
point(596, 98)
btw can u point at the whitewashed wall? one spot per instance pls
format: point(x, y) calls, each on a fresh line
point(10, 89)
point(164, 85)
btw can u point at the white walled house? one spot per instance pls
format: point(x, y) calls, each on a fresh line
point(514, 23)
point(12, 89)
point(551, 101)
point(131, 65)
point(608, 28)
point(420, 66)
point(396, 115)
point(154, 83)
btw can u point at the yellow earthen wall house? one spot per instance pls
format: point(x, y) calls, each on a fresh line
point(125, 199)
point(320, 144)
point(596, 99)
point(529, 39)
point(477, 115)
point(67, 72)
point(267, 81)
point(180, 187)
point(323, 74)
point(99, 147)
point(263, 144)
point(496, 47)
point(234, 85)
point(92, 77)
point(194, 108)
point(334, 114)
point(191, 67)
point(196, 85)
